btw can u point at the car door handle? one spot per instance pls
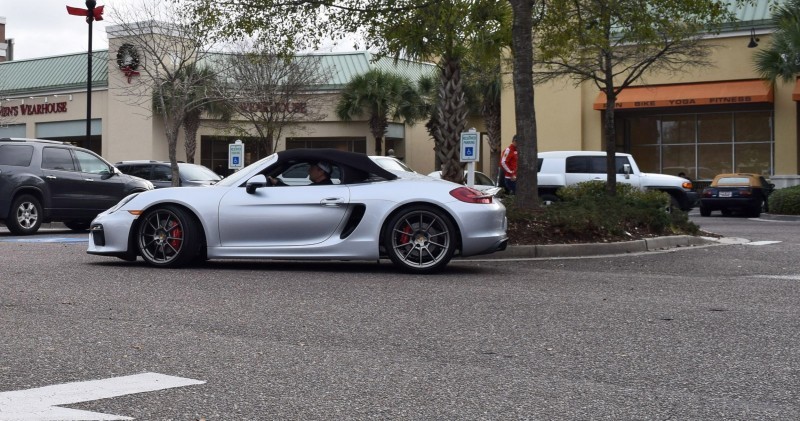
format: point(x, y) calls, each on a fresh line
point(331, 201)
point(50, 177)
point(88, 179)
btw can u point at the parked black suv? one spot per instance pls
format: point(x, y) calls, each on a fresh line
point(49, 181)
point(160, 173)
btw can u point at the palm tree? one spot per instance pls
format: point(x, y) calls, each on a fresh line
point(203, 83)
point(195, 87)
point(781, 60)
point(379, 96)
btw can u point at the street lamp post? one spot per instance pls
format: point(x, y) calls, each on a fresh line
point(92, 13)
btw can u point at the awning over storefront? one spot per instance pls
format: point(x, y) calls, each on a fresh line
point(684, 95)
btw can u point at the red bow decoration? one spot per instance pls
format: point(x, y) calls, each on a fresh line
point(97, 13)
point(129, 72)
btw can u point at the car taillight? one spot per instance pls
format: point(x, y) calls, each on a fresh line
point(708, 192)
point(745, 191)
point(470, 195)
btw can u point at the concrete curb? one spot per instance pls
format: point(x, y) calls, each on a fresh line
point(599, 249)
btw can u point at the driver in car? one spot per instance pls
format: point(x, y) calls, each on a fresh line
point(319, 173)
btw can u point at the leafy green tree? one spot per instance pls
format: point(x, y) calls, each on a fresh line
point(415, 29)
point(781, 60)
point(450, 31)
point(379, 96)
point(613, 43)
point(170, 44)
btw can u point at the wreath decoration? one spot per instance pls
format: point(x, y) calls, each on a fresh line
point(127, 57)
point(128, 60)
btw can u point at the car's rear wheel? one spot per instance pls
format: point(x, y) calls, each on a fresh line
point(704, 211)
point(26, 215)
point(420, 239)
point(168, 237)
point(77, 225)
point(548, 199)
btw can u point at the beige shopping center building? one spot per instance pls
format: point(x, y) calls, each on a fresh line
point(709, 120)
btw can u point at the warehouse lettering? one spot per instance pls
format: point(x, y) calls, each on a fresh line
point(32, 109)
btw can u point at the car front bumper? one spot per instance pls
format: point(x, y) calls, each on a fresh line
point(109, 234)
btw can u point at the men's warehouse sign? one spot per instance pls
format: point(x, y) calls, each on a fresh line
point(33, 109)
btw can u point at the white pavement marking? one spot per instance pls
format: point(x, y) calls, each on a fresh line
point(762, 243)
point(782, 277)
point(39, 404)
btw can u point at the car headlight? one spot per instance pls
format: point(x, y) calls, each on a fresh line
point(122, 202)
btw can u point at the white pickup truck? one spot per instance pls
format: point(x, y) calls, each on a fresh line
point(565, 168)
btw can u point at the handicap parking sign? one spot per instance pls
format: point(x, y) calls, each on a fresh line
point(469, 146)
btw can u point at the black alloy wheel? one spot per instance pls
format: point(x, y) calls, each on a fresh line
point(420, 239)
point(168, 237)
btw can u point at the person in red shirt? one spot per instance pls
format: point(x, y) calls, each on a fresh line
point(508, 162)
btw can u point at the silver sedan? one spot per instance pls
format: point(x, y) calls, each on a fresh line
point(364, 212)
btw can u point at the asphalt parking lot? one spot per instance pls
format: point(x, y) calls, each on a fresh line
point(707, 332)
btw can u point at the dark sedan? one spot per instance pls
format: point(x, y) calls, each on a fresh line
point(738, 192)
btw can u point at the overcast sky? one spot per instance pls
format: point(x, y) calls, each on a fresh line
point(42, 28)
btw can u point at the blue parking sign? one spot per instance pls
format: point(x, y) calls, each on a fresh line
point(469, 146)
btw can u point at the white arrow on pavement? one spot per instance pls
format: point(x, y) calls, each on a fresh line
point(39, 404)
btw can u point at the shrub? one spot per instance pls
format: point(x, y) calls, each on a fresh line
point(785, 201)
point(586, 213)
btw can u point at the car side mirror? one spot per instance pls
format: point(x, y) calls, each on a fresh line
point(626, 168)
point(255, 183)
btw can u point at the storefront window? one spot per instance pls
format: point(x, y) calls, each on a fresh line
point(753, 158)
point(714, 128)
point(714, 159)
point(753, 127)
point(644, 131)
point(646, 157)
point(677, 129)
point(725, 142)
point(679, 160)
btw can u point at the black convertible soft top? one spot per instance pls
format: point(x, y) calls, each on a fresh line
point(352, 161)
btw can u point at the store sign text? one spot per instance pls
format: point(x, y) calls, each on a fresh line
point(276, 107)
point(32, 109)
point(682, 102)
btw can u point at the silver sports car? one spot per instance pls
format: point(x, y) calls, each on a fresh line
point(363, 212)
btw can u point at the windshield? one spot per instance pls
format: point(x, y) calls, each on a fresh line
point(392, 164)
point(245, 173)
point(194, 172)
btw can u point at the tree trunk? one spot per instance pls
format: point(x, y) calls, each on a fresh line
point(190, 128)
point(453, 106)
point(522, 42)
point(609, 131)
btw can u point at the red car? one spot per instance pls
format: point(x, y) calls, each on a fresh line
point(741, 192)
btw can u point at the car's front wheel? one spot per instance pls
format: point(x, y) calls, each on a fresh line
point(420, 239)
point(26, 215)
point(168, 237)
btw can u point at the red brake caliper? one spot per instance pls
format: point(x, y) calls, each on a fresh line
point(176, 234)
point(404, 238)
